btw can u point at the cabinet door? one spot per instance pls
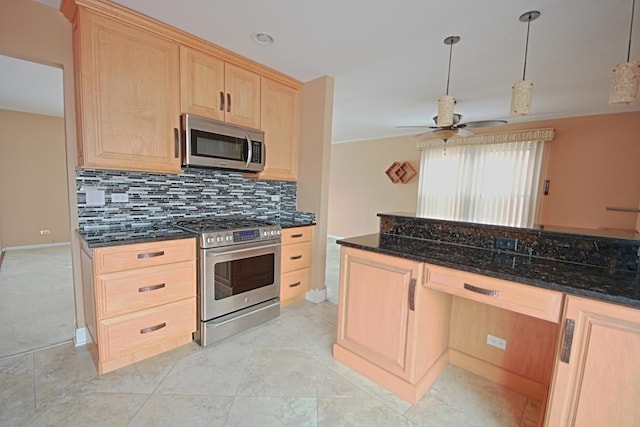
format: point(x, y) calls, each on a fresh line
point(280, 111)
point(596, 377)
point(375, 312)
point(128, 97)
point(243, 96)
point(201, 84)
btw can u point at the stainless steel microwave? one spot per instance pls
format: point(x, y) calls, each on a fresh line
point(209, 143)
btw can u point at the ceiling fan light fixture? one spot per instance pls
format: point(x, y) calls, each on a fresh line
point(626, 75)
point(446, 104)
point(446, 134)
point(523, 89)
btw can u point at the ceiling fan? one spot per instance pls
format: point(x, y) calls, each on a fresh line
point(447, 123)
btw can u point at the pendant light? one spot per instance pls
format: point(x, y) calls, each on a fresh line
point(624, 82)
point(446, 102)
point(522, 89)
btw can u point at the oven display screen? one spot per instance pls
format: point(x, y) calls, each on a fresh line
point(246, 235)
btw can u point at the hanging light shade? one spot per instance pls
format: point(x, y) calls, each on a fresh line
point(523, 89)
point(626, 75)
point(447, 102)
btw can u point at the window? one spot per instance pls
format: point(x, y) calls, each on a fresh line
point(491, 183)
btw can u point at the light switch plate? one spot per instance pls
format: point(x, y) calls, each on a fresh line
point(94, 197)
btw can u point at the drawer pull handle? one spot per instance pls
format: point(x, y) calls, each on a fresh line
point(293, 285)
point(483, 291)
point(295, 236)
point(412, 295)
point(176, 140)
point(296, 257)
point(153, 328)
point(228, 102)
point(151, 288)
point(221, 101)
point(569, 327)
point(150, 255)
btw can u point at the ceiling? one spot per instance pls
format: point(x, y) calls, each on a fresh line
point(389, 61)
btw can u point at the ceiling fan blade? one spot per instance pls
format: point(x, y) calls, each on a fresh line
point(464, 132)
point(483, 123)
point(417, 126)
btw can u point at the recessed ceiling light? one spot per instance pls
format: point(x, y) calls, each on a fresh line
point(263, 39)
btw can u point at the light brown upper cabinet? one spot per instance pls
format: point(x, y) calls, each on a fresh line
point(127, 96)
point(280, 123)
point(213, 88)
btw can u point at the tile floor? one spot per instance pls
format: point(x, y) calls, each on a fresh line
point(278, 374)
point(36, 299)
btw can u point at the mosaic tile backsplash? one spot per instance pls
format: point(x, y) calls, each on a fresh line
point(154, 197)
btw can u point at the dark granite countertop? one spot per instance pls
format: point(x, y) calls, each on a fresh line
point(613, 285)
point(130, 234)
point(124, 234)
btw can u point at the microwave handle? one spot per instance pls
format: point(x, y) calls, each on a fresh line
point(249, 151)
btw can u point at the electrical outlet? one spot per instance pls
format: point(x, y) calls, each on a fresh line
point(275, 198)
point(43, 232)
point(119, 197)
point(496, 342)
point(505, 244)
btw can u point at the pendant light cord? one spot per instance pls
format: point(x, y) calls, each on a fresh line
point(633, 7)
point(449, 71)
point(526, 47)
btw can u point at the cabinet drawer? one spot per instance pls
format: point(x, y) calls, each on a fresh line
point(529, 300)
point(295, 283)
point(126, 291)
point(295, 257)
point(140, 255)
point(133, 332)
point(297, 235)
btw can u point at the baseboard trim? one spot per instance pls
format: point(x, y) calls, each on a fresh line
point(44, 245)
point(80, 337)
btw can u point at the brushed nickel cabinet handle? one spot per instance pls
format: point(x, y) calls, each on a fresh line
point(150, 255)
point(412, 295)
point(221, 101)
point(483, 291)
point(295, 236)
point(151, 288)
point(176, 138)
point(567, 341)
point(296, 257)
point(293, 285)
point(228, 102)
point(153, 328)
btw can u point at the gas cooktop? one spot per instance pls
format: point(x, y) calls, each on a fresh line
point(226, 231)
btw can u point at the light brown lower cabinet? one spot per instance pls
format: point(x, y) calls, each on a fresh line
point(383, 329)
point(597, 375)
point(401, 321)
point(295, 265)
point(140, 300)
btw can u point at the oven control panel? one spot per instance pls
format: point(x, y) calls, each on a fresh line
point(234, 237)
point(246, 235)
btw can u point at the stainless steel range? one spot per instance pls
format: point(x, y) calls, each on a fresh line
point(238, 274)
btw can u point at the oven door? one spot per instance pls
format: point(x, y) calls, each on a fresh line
point(238, 277)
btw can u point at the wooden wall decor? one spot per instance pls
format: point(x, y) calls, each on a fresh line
point(400, 172)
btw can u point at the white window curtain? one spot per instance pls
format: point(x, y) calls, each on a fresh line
point(494, 183)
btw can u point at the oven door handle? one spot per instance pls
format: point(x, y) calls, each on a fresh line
point(226, 251)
